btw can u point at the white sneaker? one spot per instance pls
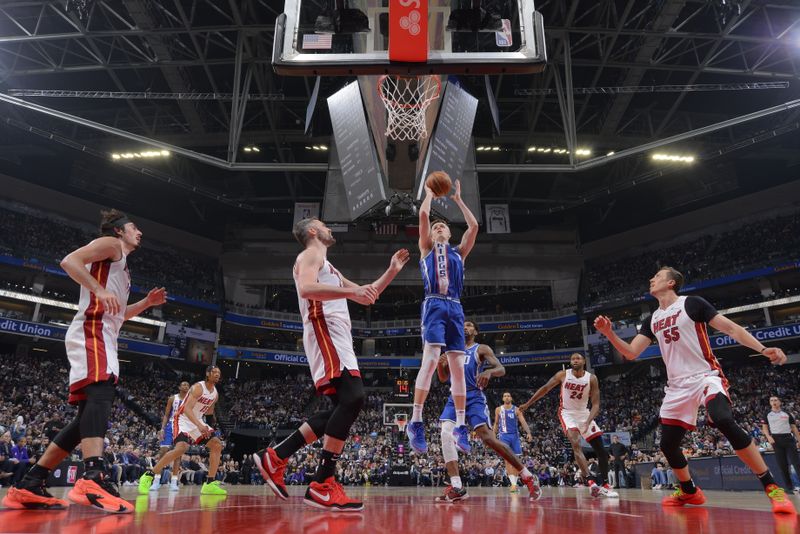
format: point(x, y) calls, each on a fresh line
point(797, 491)
point(657, 487)
point(156, 483)
point(174, 486)
point(608, 492)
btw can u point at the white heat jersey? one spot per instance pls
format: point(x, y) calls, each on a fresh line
point(181, 422)
point(327, 275)
point(91, 339)
point(327, 336)
point(575, 391)
point(683, 342)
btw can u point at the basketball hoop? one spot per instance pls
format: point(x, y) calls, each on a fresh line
point(406, 99)
point(401, 420)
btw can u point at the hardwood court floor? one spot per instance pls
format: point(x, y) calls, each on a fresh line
point(411, 511)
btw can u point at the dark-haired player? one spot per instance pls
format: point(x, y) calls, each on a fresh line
point(442, 267)
point(694, 377)
point(166, 434)
point(578, 386)
point(101, 269)
point(507, 420)
point(480, 366)
point(190, 428)
point(322, 294)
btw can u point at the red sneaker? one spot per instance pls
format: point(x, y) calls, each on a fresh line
point(99, 493)
point(330, 495)
point(452, 494)
point(32, 498)
point(272, 469)
point(679, 498)
point(780, 504)
point(534, 489)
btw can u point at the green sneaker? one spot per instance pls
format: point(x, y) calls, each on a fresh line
point(213, 488)
point(145, 481)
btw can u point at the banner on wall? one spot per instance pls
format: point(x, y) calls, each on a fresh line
point(497, 219)
point(304, 210)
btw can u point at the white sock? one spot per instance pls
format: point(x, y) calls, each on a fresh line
point(416, 415)
point(460, 417)
point(513, 479)
point(174, 480)
point(455, 482)
point(525, 474)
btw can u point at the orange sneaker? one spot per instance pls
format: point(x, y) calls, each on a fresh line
point(679, 498)
point(780, 504)
point(330, 495)
point(272, 469)
point(32, 498)
point(99, 493)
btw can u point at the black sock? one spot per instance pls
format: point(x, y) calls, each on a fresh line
point(766, 478)
point(327, 467)
point(688, 487)
point(93, 465)
point(290, 445)
point(36, 475)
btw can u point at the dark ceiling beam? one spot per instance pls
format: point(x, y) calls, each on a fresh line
point(663, 22)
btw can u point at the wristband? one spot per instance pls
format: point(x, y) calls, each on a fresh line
point(762, 350)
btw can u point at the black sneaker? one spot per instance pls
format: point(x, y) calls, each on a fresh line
point(452, 494)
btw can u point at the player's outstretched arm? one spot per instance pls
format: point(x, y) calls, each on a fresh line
point(396, 264)
point(524, 424)
point(629, 351)
point(542, 391)
point(469, 237)
point(309, 262)
point(155, 297)
point(743, 337)
point(425, 242)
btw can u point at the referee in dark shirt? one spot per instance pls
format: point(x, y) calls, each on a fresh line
point(779, 426)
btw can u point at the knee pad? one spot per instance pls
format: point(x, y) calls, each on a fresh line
point(318, 421)
point(97, 411)
point(430, 359)
point(70, 436)
point(449, 451)
point(671, 437)
point(458, 383)
point(721, 416)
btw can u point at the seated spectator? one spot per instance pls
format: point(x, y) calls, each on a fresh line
point(24, 461)
point(7, 464)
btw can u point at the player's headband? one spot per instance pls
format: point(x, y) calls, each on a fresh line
point(119, 222)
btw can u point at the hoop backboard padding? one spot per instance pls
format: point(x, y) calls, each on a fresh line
point(518, 45)
point(358, 163)
point(406, 99)
point(408, 30)
point(450, 150)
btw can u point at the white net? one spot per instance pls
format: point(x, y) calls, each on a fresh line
point(406, 99)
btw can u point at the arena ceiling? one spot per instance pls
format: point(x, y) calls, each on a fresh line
point(196, 74)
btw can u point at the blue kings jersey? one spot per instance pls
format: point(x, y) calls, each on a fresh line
point(443, 271)
point(472, 369)
point(508, 420)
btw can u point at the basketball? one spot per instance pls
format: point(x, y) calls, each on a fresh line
point(439, 182)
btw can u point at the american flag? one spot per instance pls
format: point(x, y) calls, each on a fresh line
point(317, 41)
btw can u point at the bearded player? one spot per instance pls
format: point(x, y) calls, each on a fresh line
point(577, 387)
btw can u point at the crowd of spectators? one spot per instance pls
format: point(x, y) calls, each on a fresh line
point(765, 242)
point(43, 239)
point(32, 413)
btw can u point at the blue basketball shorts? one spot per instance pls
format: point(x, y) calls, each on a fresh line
point(443, 324)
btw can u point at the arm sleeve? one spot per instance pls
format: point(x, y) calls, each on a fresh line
point(791, 420)
point(646, 329)
point(699, 310)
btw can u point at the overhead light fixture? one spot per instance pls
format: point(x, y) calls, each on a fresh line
point(251, 148)
point(583, 152)
point(610, 153)
point(142, 154)
point(675, 158)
